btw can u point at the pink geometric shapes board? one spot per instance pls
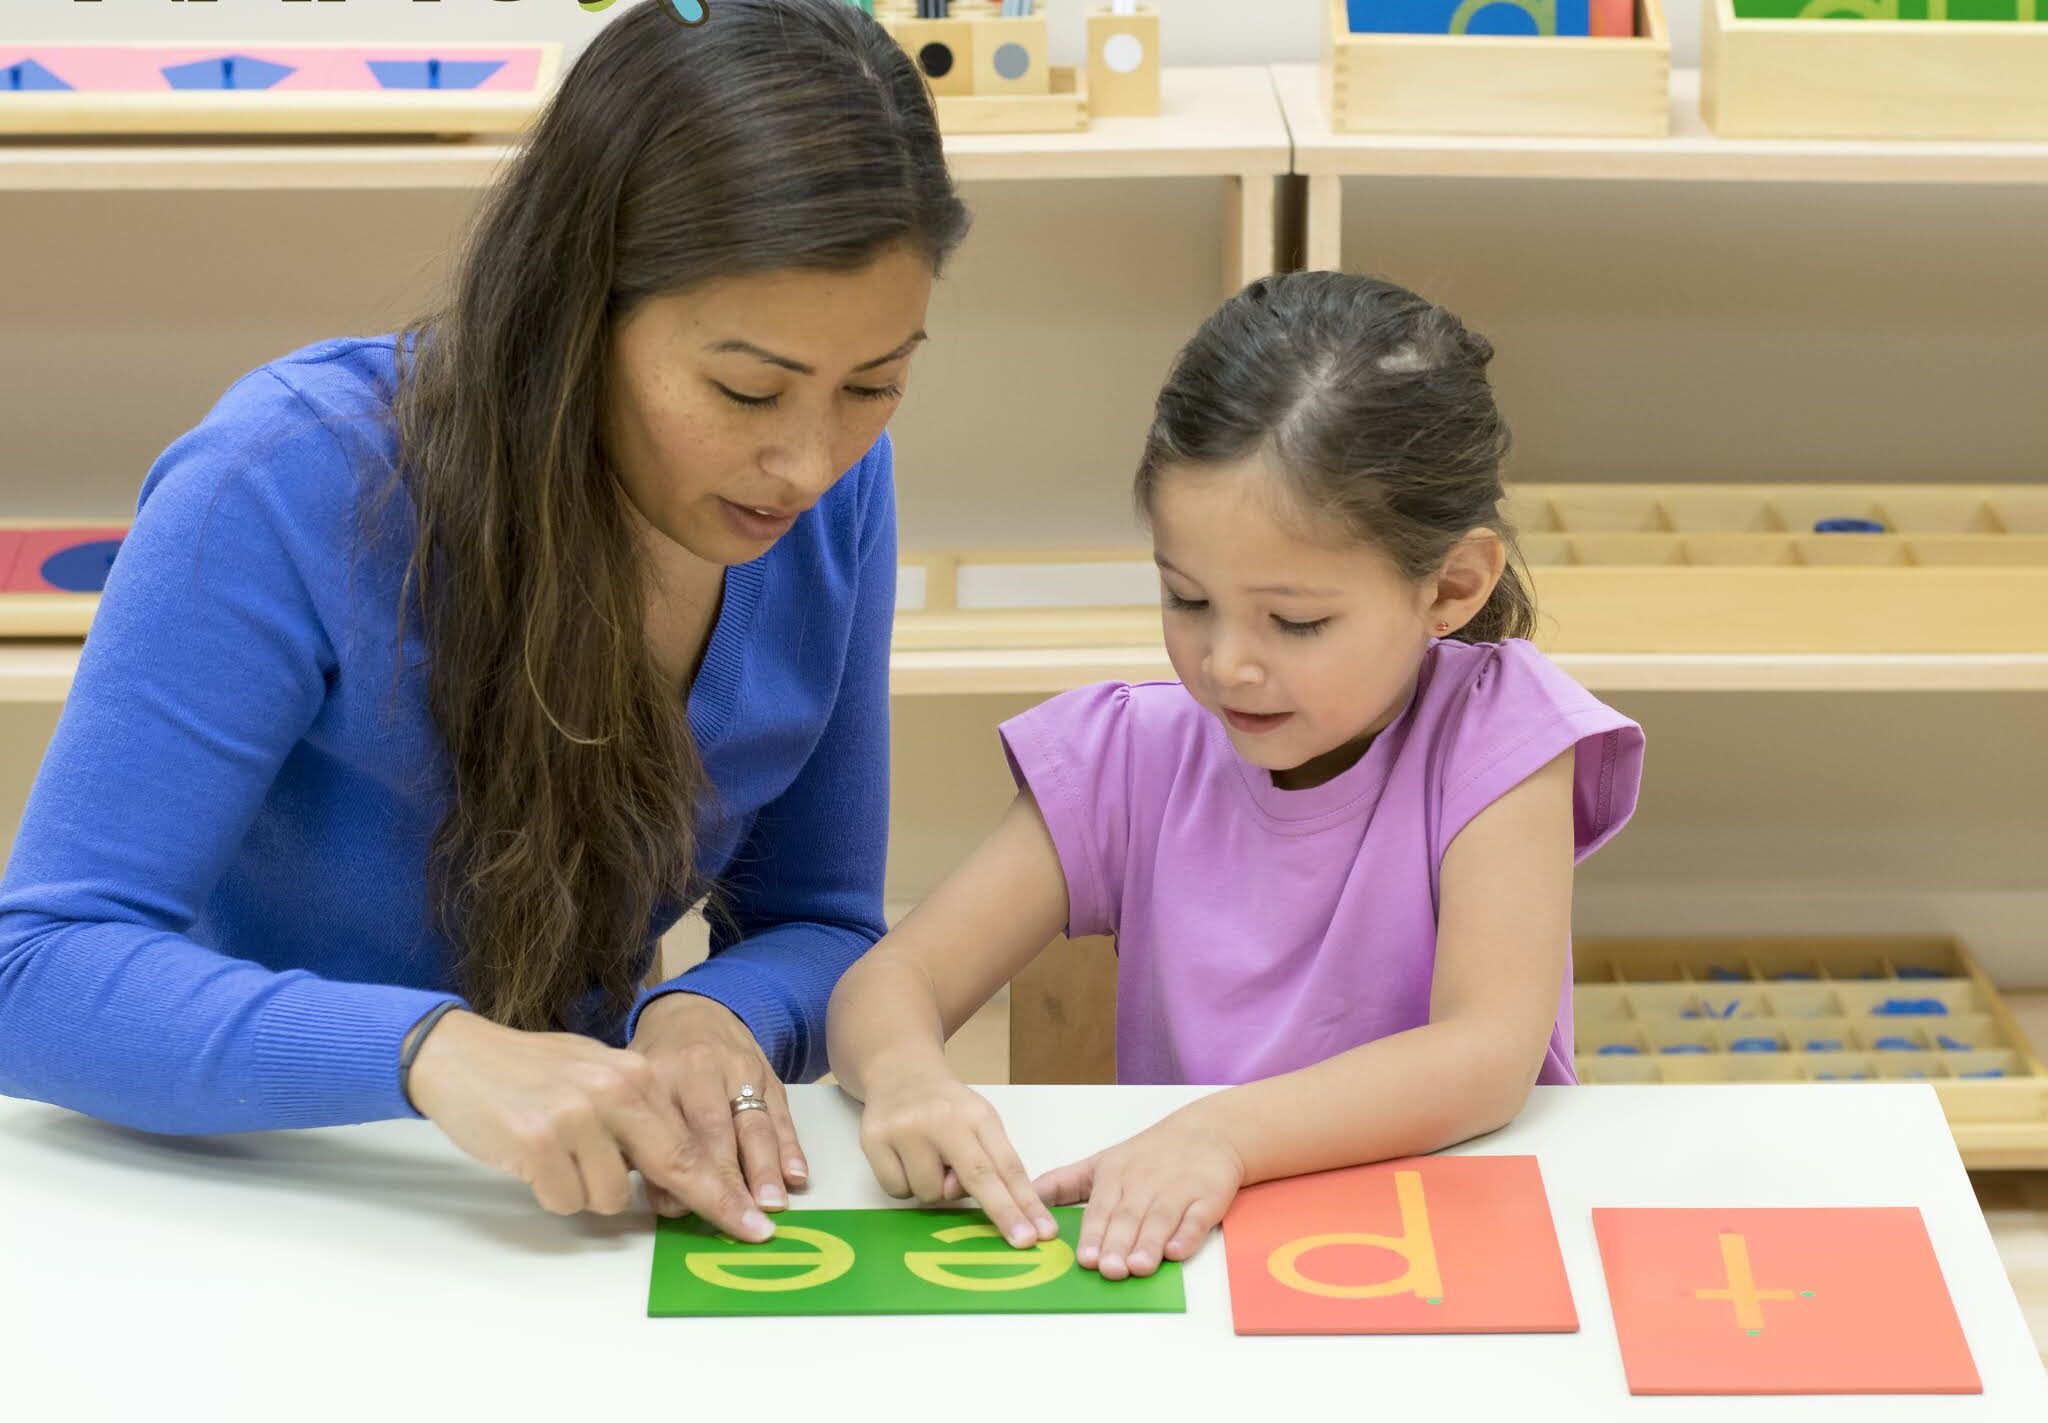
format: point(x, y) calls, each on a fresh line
point(284, 69)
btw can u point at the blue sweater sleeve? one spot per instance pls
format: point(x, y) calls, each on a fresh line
point(209, 658)
point(812, 900)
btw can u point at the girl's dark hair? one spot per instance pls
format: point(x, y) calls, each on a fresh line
point(781, 134)
point(1374, 402)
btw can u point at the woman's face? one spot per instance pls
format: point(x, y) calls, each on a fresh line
point(737, 403)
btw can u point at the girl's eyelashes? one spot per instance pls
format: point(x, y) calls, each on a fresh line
point(1178, 604)
point(1309, 629)
point(761, 402)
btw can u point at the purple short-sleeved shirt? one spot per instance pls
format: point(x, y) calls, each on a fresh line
point(1261, 930)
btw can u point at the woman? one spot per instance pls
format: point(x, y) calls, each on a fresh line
point(442, 671)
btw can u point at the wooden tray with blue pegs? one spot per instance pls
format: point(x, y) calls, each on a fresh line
point(1816, 1010)
point(302, 89)
point(1651, 569)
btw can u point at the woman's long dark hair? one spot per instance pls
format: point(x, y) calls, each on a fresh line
point(1374, 402)
point(782, 134)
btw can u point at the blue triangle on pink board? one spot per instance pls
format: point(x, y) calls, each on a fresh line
point(230, 71)
point(29, 75)
point(434, 73)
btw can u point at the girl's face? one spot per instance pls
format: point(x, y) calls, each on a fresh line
point(735, 404)
point(1304, 650)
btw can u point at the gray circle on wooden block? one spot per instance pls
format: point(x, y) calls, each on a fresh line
point(936, 59)
point(1123, 53)
point(1012, 60)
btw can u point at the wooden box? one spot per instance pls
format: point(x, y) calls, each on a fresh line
point(990, 74)
point(1898, 79)
point(1545, 85)
point(1123, 63)
point(1816, 1010)
point(943, 51)
point(1010, 56)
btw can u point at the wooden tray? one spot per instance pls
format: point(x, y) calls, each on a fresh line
point(1617, 569)
point(1877, 79)
point(303, 88)
point(1497, 84)
point(1816, 1010)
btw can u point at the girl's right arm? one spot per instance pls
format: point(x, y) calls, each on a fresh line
point(922, 1128)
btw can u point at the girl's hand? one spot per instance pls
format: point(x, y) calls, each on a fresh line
point(1152, 1198)
point(702, 1055)
point(571, 1118)
point(929, 1135)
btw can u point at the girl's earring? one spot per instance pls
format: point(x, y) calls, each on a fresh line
point(1442, 628)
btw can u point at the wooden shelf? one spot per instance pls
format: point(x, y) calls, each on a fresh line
point(1222, 122)
point(1691, 153)
point(40, 672)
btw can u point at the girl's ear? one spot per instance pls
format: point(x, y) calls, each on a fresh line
point(1467, 578)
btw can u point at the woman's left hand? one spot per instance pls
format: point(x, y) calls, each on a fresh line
point(1152, 1198)
point(703, 1055)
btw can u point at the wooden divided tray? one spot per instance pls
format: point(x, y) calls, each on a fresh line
point(1816, 1010)
point(1619, 568)
point(303, 88)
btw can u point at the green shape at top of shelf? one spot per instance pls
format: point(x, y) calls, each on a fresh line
point(2005, 11)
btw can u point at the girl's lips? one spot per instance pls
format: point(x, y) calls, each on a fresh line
point(1256, 723)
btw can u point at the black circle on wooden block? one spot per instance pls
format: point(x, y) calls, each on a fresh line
point(936, 59)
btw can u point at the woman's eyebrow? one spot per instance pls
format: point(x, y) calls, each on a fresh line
point(736, 346)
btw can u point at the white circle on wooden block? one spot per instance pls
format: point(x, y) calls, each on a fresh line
point(1123, 53)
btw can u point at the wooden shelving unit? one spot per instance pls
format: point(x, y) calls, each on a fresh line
point(1691, 153)
point(1220, 123)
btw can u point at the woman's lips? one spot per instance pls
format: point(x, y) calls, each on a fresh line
point(753, 524)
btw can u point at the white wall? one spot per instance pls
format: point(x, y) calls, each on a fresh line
point(1196, 31)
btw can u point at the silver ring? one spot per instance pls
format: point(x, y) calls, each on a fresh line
point(748, 1101)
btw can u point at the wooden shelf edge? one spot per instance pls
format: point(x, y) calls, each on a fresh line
point(1237, 130)
point(41, 672)
point(1690, 153)
point(2002, 1146)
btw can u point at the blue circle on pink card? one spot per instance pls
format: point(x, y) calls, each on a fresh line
point(82, 568)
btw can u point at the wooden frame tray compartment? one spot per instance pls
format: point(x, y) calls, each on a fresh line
point(1873, 78)
point(303, 88)
point(1787, 1010)
point(1547, 85)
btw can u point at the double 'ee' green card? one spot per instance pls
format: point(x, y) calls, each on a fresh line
point(890, 1262)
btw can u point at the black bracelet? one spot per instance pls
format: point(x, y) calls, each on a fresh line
point(418, 1039)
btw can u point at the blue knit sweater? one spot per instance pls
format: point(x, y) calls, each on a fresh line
point(215, 917)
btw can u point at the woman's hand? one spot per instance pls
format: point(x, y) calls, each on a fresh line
point(571, 1118)
point(1152, 1198)
point(702, 1055)
point(929, 1135)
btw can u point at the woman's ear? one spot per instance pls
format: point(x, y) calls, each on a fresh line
point(1469, 574)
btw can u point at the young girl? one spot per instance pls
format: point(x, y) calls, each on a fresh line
point(1336, 854)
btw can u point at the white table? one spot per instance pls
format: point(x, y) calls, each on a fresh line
point(373, 1272)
